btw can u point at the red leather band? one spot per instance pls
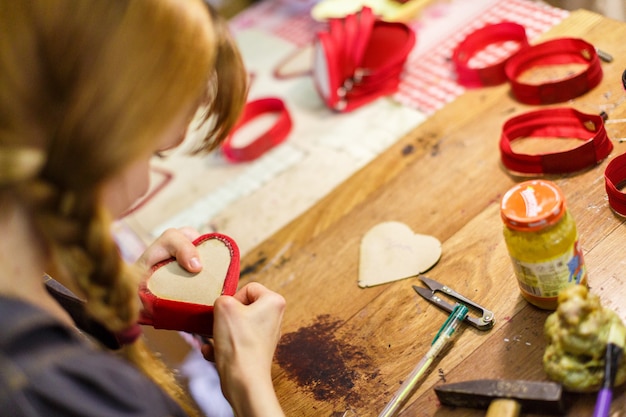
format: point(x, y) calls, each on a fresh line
point(555, 123)
point(614, 178)
point(554, 52)
point(476, 42)
point(272, 137)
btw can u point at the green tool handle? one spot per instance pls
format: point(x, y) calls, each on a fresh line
point(442, 338)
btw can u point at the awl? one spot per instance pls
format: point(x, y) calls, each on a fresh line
point(504, 398)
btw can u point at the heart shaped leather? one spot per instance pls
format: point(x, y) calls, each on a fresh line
point(175, 299)
point(391, 251)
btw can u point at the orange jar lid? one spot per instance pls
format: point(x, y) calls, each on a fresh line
point(532, 205)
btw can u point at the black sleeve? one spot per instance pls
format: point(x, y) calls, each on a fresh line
point(47, 370)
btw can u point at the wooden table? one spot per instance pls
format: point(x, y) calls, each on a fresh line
point(344, 347)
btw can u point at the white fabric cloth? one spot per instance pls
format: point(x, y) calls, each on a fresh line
point(204, 385)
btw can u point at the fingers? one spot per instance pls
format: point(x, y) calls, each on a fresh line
point(175, 243)
point(253, 306)
point(254, 291)
point(246, 331)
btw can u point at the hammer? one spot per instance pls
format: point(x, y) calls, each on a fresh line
point(504, 398)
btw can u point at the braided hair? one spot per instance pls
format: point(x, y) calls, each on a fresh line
point(85, 88)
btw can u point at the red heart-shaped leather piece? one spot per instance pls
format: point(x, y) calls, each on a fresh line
point(175, 299)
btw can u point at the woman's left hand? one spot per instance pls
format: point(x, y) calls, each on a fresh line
point(175, 243)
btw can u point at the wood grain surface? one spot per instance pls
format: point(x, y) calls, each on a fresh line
point(347, 348)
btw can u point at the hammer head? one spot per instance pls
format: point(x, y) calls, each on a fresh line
point(534, 397)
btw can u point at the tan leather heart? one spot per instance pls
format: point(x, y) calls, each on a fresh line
point(172, 282)
point(391, 251)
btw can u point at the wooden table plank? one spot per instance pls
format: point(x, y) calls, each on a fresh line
point(345, 347)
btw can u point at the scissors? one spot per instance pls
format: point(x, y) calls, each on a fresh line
point(484, 322)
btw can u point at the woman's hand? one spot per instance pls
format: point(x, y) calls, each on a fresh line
point(246, 331)
point(175, 243)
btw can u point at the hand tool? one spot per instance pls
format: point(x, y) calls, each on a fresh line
point(484, 322)
point(614, 350)
point(443, 336)
point(504, 398)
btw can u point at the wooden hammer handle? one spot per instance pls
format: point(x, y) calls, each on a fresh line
point(503, 408)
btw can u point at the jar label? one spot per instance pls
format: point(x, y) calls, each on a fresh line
point(548, 277)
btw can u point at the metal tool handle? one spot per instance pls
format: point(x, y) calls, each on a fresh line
point(487, 318)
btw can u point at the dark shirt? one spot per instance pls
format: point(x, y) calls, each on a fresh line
point(49, 370)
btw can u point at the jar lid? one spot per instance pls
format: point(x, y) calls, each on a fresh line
point(532, 205)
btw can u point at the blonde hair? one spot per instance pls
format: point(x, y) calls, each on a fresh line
point(85, 88)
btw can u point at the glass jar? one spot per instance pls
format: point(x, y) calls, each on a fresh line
point(542, 240)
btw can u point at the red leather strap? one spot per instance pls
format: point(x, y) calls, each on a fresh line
point(614, 178)
point(476, 42)
point(272, 137)
point(555, 123)
point(554, 52)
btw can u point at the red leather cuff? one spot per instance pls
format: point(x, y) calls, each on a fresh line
point(479, 40)
point(272, 137)
point(555, 123)
point(554, 52)
point(614, 178)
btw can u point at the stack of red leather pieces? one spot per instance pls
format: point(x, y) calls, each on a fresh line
point(359, 59)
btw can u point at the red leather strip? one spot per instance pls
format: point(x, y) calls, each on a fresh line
point(614, 178)
point(554, 52)
point(476, 42)
point(275, 135)
point(555, 123)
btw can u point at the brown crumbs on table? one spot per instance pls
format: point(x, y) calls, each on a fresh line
point(320, 363)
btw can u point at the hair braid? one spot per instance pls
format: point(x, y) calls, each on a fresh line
point(86, 88)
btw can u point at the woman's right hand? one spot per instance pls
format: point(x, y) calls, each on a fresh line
point(246, 331)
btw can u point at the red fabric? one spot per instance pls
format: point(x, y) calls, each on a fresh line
point(555, 123)
point(188, 317)
point(554, 52)
point(614, 178)
point(128, 335)
point(274, 136)
point(479, 40)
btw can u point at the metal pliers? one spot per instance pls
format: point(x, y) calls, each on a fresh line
point(485, 322)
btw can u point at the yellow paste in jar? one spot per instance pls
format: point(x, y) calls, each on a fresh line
point(542, 240)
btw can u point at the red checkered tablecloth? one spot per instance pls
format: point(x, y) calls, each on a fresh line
point(429, 80)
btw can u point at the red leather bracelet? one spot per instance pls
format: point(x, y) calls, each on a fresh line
point(614, 178)
point(272, 137)
point(555, 123)
point(554, 52)
point(479, 40)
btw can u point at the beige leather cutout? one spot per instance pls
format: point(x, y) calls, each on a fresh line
point(173, 282)
point(391, 251)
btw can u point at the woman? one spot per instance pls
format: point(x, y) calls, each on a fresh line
point(89, 91)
